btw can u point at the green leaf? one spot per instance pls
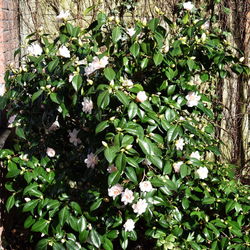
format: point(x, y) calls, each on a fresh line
point(109, 73)
point(208, 200)
point(190, 64)
point(96, 205)
point(132, 110)
point(145, 146)
point(53, 64)
point(54, 98)
point(167, 168)
point(77, 82)
point(135, 49)
point(101, 126)
point(120, 161)
point(110, 153)
point(103, 99)
point(153, 23)
point(156, 161)
point(73, 222)
point(70, 28)
point(170, 114)
point(36, 95)
point(29, 221)
point(114, 178)
point(107, 244)
point(122, 98)
point(158, 58)
point(42, 244)
point(95, 238)
point(130, 173)
point(63, 215)
point(40, 225)
point(116, 34)
point(173, 132)
point(144, 63)
point(82, 224)
point(10, 202)
point(20, 132)
point(183, 170)
point(30, 206)
point(185, 203)
point(13, 171)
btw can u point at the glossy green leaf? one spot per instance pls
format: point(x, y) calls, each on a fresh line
point(95, 238)
point(77, 82)
point(109, 73)
point(158, 58)
point(130, 173)
point(116, 34)
point(10, 202)
point(123, 98)
point(36, 95)
point(135, 49)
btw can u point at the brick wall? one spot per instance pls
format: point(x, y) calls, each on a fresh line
point(9, 33)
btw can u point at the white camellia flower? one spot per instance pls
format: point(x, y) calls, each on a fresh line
point(177, 166)
point(63, 15)
point(11, 121)
point(140, 207)
point(27, 199)
point(87, 105)
point(179, 144)
point(54, 126)
point(91, 160)
point(202, 172)
point(71, 76)
point(141, 96)
point(35, 49)
point(50, 152)
point(115, 190)
point(64, 52)
point(127, 196)
point(195, 155)
point(73, 137)
point(131, 31)
point(129, 225)
point(188, 6)
point(96, 64)
point(145, 186)
point(192, 99)
point(112, 169)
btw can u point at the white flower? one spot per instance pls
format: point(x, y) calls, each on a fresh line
point(64, 52)
point(179, 144)
point(27, 199)
point(91, 160)
point(87, 105)
point(127, 83)
point(11, 121)
point(96, 64)
point(73, 137)
point(188, 6)
point(115, 190)
point(50, 152)
point(35, 49)
point(145, 186)
point(112, 169)
point(177, 166)
point(195, 155)
point(206, 25)
point(131, 31)
point(202, 172)
point(54, 126)
point(192, 99)
point(129, 225)
point(140, 207)
point(63, 15)
point(141, 96)
point(127, 196)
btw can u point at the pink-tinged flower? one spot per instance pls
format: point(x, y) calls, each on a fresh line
point(131, 31)
point(71, 76)
point(192, 99)
point(140, 207)
point(127, 196)
point(145, 186)
point(11, 121)
point(35, 49)
point(2, 89)
point(202, 172)
point(87, 105)
point(63, 15)
point(111, 169)
point(64, 52)
point(141, 96)
point(179, 144)
point(73, 137)
point(115, 191)
point(54, 126)
point(177, 166)
point(195, 155)
point(91, 160)
point(50, 152)
point(188, 6)
point(129, 225)
point(96, 64)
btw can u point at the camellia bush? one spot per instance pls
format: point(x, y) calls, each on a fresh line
point(116, 146)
